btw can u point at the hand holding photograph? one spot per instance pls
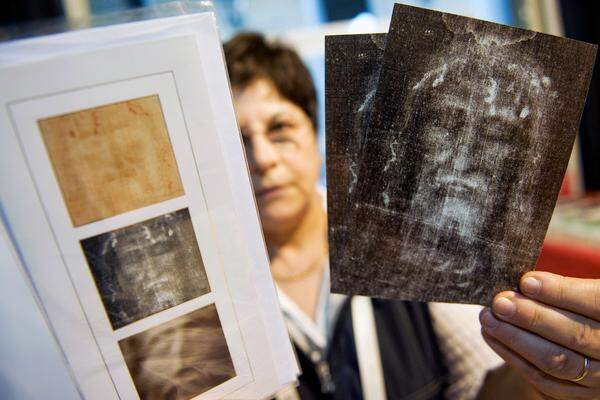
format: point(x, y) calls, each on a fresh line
point(458, 171)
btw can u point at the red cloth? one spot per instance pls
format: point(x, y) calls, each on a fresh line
point(567, 258)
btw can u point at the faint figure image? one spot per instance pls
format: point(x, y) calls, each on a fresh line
point(112, 159)
point(146, 268)
point(179, 359)
point(477, 136)
point(351, 73)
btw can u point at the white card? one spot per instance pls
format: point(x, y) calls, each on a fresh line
point(125, 186)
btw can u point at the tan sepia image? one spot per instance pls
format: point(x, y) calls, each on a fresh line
point(112, 159)
point(179, 359)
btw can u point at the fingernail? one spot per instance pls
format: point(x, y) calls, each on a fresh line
point(504, 307)
point(488, 320)
point(531, 286)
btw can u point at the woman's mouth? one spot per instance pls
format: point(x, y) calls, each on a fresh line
point(269, 193)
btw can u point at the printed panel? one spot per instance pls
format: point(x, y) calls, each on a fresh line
point(146, 268)
point(112, 159)
point(179, 359)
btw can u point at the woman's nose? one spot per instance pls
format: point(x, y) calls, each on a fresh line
point(263, 154)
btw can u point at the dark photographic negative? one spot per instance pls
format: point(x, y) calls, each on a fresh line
point(112, 158)
point(470, 134)
point(352, 65)
point(148, 267)
point(179, 359)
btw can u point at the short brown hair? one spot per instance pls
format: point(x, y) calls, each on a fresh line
point(250, 56)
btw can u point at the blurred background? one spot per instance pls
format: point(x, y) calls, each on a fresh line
point(572, 245)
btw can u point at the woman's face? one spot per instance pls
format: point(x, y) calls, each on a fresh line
point(280, 144)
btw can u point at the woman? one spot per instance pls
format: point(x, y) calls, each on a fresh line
point(546, 344)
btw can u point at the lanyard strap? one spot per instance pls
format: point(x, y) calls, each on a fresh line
point(367, 349)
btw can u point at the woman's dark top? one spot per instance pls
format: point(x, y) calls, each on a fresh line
point(412, 364)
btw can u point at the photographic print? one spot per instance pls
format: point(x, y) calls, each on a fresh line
point(146, 268)
point(352, 64)
point(112, 159)
point(470, 134)
point(179, 359)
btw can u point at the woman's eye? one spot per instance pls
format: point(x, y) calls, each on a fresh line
point(281, 132)
point(280, 138)
point(279, 126)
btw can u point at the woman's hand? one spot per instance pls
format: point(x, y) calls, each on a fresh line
point(547, 332)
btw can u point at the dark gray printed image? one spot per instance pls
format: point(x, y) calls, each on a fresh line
point(146, 268)
point(352, 65)
point(460, 166)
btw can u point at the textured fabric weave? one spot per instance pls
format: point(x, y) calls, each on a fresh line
point(467, 356)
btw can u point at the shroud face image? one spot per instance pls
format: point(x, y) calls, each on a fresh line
point(112, 159)
point(146, 268)
point(471, 127)
point(179, 359)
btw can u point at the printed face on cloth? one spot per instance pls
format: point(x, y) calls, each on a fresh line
point(459, 156)
point(147, 267)
point(472, 136)
point(476, 122)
